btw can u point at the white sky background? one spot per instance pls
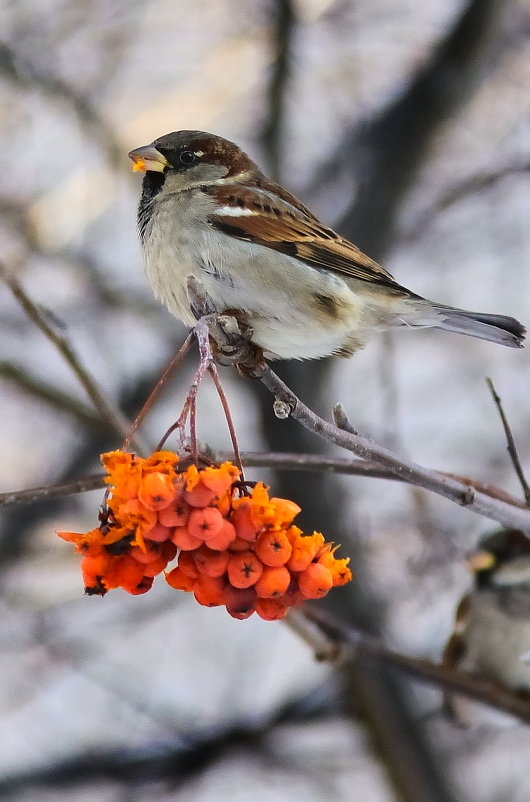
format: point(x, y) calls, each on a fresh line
point(70, 665)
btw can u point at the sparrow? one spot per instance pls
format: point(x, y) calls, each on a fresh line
point(207, 211)
point(492, 626)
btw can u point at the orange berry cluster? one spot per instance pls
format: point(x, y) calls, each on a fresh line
point(234, 547)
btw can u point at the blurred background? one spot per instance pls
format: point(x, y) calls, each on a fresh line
point(406, 126)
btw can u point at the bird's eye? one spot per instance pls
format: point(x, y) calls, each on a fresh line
point(187, 158)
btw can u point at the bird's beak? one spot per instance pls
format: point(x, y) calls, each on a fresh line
point(480, 560)
point(148, 158)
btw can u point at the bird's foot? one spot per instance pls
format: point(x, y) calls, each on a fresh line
point(231, 345)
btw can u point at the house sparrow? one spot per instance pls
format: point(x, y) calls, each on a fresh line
point(208, 211)
point(492, 627)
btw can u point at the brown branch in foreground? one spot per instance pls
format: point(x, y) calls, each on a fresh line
point(512, 448)
point(108, 412)
point(343, 435)
point(346, 641)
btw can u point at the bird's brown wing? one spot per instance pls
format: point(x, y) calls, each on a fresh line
point(279, 221)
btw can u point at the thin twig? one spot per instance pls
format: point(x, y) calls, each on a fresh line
point(108, 412)
point(325, 648)
point(175, 361)
point(450, 679)
point(343, 435)
point(511, 447)
point(355, 467)
point(189, 410)
point(214, 373)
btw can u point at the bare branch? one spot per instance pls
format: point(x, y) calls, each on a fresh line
point(446, 486)
point(459, 492)
point(45, 492)
point(449, 679)
point(255, 459)
point(512, 448)
point(355, 467)
point(228, 417)
point(168, 372)
point(113, 416)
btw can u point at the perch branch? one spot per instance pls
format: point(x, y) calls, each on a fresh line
point(344, 436)
point(448, 487)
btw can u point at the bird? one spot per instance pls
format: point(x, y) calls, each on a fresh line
point(491, 634)
point(207, 211)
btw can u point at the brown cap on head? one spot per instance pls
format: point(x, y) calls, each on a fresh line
point(183, 149)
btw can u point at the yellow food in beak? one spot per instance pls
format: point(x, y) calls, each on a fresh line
point(480, 561)
point(148, 158)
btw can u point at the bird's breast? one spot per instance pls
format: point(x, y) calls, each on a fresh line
point(296, 311)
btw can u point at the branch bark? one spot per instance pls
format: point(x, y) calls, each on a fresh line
point(446, 486)
point(343, 636)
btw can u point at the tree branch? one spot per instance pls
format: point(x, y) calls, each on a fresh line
point(359, 643)
point(512, 448)
point(47, 492)
point(255, 459)
point(446, 486)
point(48, 393)
point(109, 413)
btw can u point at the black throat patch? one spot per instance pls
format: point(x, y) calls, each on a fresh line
point(151, 186)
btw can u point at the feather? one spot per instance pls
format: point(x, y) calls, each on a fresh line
point(271, 217)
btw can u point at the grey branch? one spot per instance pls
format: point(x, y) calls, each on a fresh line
point(255, 459)
point(344, 436)
point(344, 640)
point(465, 495)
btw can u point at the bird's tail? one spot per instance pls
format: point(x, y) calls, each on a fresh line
point(495, 328)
